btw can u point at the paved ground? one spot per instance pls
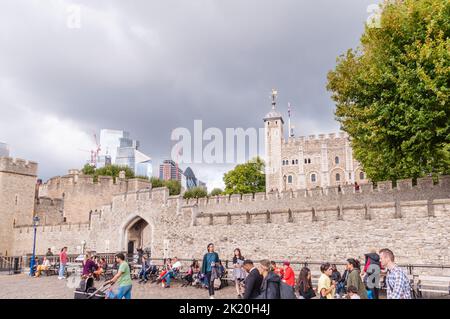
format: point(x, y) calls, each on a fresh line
point(24, 287)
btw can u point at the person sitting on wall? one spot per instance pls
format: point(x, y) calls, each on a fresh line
point(42, 267)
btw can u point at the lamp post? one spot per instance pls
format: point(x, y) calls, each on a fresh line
point(32, 263)
point(83, 245)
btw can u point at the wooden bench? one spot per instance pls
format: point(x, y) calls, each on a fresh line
point(433, 284)
point(52, 270)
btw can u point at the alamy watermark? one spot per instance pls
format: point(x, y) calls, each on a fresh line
point(215, 146)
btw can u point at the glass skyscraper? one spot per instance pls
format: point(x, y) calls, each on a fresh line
point(4, 150)
point(118, 148)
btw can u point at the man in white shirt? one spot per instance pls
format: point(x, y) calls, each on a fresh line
point(176, 266)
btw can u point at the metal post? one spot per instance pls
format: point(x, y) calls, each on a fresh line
point(32, 262)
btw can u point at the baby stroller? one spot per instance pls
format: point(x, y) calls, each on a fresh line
point(88, 291)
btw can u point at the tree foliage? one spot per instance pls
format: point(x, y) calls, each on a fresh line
point(246, 178)
point(216, 191)
point(392, 92)
point(173, 186)
point(110, 170)
point(195, 192)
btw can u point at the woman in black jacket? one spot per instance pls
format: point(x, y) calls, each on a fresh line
point(210, 262)
point(270, 287)
point(305, 288)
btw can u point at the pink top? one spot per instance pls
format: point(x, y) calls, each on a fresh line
point(63, 257)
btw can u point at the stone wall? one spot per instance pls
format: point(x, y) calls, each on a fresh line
point(78, 194)
point(413, 221)
point(17, 190)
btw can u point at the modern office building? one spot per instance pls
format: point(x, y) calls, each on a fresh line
point(109, 142)
point(118, 148)
point(4, 150)
point(191, 180)
point(168, 171)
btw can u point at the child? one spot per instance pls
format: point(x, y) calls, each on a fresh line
point(353, 293)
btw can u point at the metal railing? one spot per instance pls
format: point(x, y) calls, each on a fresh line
point(18, 263)
point(11, 265)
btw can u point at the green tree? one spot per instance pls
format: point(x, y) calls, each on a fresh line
point(195, 192)
point(173, 186)
point(110, 170)
point(246, 178)
point(392, 92)
point(156, 182)
point(216, 191)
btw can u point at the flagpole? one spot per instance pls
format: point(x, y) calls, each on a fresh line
point(289, 120)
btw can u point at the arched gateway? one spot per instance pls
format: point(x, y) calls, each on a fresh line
point(136, 232)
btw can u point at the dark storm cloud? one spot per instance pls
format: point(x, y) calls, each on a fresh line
point(151, 66)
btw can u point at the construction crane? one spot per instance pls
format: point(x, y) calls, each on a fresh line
point(94, 153)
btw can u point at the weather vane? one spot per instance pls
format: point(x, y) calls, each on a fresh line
point(274, 96)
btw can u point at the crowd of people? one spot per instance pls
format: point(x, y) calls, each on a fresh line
point(265, 280)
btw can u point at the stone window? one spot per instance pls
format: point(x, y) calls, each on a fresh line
point(290, 179)
point(350, 176)
point(15, 201)
point(313, 178)
point(296, 161)
point(306, 161)
point(336, 160)
point(338, 177)
point(293, 162)
point(361, 175)
point(309, 161)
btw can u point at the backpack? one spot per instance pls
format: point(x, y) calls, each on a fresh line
point(286, 291)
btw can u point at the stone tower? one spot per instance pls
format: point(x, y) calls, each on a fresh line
point(17, 194)
point(273, 124)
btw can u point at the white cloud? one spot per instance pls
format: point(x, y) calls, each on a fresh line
point(41, 137)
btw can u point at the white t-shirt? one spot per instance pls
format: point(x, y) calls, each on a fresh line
point(355, 296)
point(176, 265)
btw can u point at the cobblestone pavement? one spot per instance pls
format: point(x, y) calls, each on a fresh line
point(24, 287)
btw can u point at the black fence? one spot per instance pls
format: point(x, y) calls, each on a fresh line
point(11, 265)
point(14, 264)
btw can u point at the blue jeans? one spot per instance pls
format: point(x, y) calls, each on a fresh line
point(122, 292)
point(62, 267)
point(168, 276)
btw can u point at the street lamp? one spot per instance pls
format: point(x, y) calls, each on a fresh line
point(83, 245)
point(35, 224)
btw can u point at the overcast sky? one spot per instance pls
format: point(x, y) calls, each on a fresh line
point(152, 66)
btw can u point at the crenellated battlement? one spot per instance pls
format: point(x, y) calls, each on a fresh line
point(76, 182)
point(316, 138)
point(18, 166)
point(404, 190)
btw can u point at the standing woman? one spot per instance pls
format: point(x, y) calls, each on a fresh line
point(305, 288)
point(238, 271)
point(210, 260)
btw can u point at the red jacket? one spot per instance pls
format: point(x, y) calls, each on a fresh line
point(289, 276)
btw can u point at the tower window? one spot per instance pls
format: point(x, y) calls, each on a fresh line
point(296, 161)
point(309, 161)
point(361, 175)
point(15, 201)
point(338, 177)
point(293, 162)
point(336, 159)
point(290, 179)
point(306, 161)
point(313, 178)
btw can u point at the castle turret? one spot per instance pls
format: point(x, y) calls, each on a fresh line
point(273, 123)
point(17, 193)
